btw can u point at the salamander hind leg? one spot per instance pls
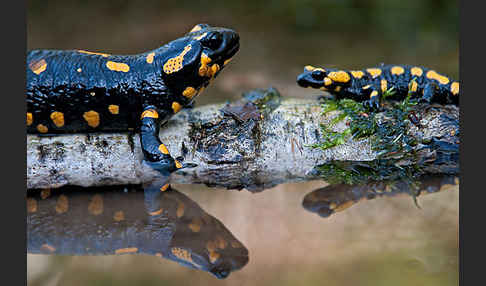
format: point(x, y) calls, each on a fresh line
point(156, 154)
point(373, 103)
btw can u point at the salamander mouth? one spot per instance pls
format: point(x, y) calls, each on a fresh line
point(231, 52)
point(223, 269)
point(305, 80)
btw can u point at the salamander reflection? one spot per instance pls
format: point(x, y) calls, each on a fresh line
point(335, 198)
point(108, 221)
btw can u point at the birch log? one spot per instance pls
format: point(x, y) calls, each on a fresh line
point(254, 153)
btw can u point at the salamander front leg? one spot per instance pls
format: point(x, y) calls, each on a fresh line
point(155, 153)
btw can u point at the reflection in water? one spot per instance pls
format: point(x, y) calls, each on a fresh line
point(159, 221)
point(335, 198)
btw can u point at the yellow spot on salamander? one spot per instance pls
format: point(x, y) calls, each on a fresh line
point(344, 206)
point(38, 66)
point(156, 212)
point(339, 76)
point(416, 71)
point(163, 149)
point(93, 53)
point(205, 59)
point(200, 36)
point(309, 68)
point(92, 93)
point(62, 204)
point(189, 92)
point(58, 118)
point(384, 85)
point(176, 107)
point(45, 193)
point(213, 256)
point(119, 216)
point(164, 187)
point(92, 118)
point(195, 224)
point(204, 70)
point(397, 70)
point(413, 86)
point(95, 206)
point(42, 128)
point(366, 86)
point(236, 244)
point(214, 69)
point(455, 88)
point(327, 81)
point(337, 88)
point(29, 119)
point(211, 245)
point(180, 210)
point(373, 93)
point(178, 164)
point(126, 250)
point(47, 248)
point(175, 64)
point(440, 78)
point(31, 205)
point(79, 70)
point(120, 67)
point(183, 255)
point(221, 243)
point(114, 109)
point(150, 58)
point(149, 113)
point(195, 29)
point(357, 74)
point(227, 61)
point(374, 72)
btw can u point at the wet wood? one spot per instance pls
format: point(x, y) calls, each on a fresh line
point(231, 152)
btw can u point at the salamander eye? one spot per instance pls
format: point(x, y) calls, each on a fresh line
point(318, 74)
point(213, 41)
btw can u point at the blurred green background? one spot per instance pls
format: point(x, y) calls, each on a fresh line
point(278, 37)
point(381, 242)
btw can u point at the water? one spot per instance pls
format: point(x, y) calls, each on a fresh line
point(272, 237)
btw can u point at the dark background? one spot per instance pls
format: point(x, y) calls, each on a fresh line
point(278, 37)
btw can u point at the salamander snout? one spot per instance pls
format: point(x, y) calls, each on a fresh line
point(311, 78)
point(222, 44)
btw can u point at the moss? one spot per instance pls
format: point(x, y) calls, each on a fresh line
point(266, 100)
point(389, 137)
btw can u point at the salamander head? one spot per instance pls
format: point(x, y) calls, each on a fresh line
point(332, 80)
point(312, 77)
point(191, 62)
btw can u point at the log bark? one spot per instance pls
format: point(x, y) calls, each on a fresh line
point(235, 152)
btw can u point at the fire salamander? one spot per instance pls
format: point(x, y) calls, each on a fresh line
point(370, 84)
point(156, 220)
point(78, 91)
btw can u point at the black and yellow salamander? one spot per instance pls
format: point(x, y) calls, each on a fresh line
point(77, 91)
point(134, 220)
point(370, 84)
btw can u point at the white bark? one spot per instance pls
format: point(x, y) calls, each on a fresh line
point(251, 154)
